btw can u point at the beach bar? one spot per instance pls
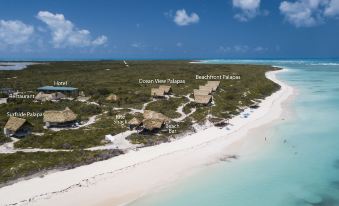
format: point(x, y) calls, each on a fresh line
point(71, 91)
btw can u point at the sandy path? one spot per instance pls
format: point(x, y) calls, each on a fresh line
point(180, 110)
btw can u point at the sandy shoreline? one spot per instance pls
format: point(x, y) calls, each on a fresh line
point(127, 177)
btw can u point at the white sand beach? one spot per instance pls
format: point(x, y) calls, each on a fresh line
point(127, 177)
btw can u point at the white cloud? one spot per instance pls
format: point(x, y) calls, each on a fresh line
point(224, 49)
point(235, 48)
point(308, 13)
point(242, 49)
point(260, 49)
point(302, 13)
point(14, 32)
point(181, 18)
point(178, 44)
point(249, 9)
point(65, 34)
point(332, 9)
point(99, 40)
point(138, 45)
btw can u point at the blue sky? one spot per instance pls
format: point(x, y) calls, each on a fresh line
point(175, 29)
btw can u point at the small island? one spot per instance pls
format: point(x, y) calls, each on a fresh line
point(60, 115)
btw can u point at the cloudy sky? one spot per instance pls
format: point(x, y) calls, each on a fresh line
point(175, 29)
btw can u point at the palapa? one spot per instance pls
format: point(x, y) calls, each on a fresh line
point(66, 115)
point(167, 89)
point(15, 123)
point(148, 114)
point(203, 99)
point(134, 122)
point(213, 84)
point(49, 97)
point(152, 124)
point(45, 97)
point(112, 97)
point(200, 92)
point(206, 88)
point(155, 92)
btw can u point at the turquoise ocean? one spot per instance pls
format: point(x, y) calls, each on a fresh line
point(299, 168)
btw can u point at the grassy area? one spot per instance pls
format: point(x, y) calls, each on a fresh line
point(18, 165)
point(3, 139)
point(167, 107)
point(147, 139)
point(200, 114)
point(101, 78)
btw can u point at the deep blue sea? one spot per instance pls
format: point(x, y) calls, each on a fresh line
point(302, 171)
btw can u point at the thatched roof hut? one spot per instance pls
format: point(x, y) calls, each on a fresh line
point(203, 99)
point(167, 89)
point(134, 122)
point(66, 115)
point(148, 114)
point(213, 84)
point(49, 97)
point(17, 127)
point(112, 98)
point(206, 88)
point(200, 92)
point(45, 97)
point(155, 92)
point(15, 123)
point(152, 124)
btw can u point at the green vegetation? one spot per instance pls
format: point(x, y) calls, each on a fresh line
point(20, 164)
point(167, 107)
point(101, 78)
point(147, 139)
point(3, 139)
point(86, 137)
point(200, 114)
